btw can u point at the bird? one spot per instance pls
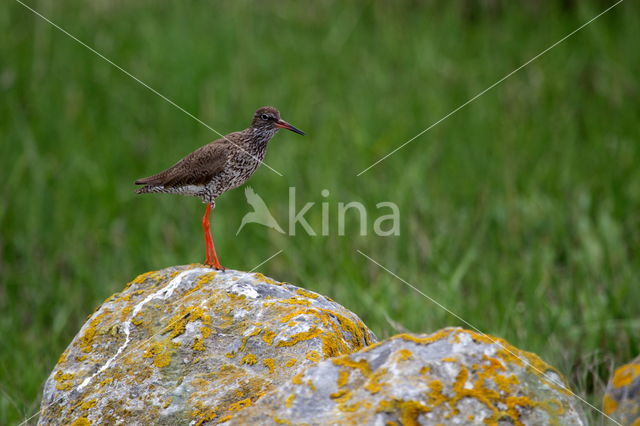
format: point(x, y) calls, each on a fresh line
point(260, 213)
point(218, 167)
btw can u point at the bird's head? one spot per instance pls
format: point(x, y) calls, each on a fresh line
point(267, 119)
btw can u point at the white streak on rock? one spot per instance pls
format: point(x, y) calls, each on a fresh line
point(163, 293)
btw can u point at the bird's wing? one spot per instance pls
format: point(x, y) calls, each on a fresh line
point(197, 168)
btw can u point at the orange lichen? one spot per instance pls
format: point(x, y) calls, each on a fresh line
point(124, 314)
point(343, 378)
point(161, 354)
point(106, 381)
point(86, 341)
point(424, 340)
point(293, 301)
point(300, 337)
point(289, 401)
point(198, 344)
point(339, 394)
point(313, 356)
point(404, 354)
point(63, 379)
point(243, 345)
point(280, 421)
point(625, 375)
point(81, 421)
point(504, 382)
point(204, 279)
point(407, 411)
point(187, 314)
point(305, 293)
point(205, 417)
point(297, 379)
point(268, 336)
point(270, 364)
point(261, 277)
point(254, 332)
point(292, 314)
point(237, 406)
point(435, 397)
point(137, 320)
point(609, 405)
point(361, 365)
point(291, 362)
point(374, 385)
point(249, 359)
point(88, 404)
point(349, 408)
point(489, 372)
point(343, 396)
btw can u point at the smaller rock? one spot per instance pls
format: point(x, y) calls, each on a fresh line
point(622, 397)
point(453, 376)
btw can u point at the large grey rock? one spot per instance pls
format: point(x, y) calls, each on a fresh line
point(622, 398)
point(191, 345)
point(454, 376)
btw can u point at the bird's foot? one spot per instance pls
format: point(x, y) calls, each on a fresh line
point(215, 264)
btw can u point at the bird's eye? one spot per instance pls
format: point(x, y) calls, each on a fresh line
point(264, 116)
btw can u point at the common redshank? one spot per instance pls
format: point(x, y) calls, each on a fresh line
point(219, 166)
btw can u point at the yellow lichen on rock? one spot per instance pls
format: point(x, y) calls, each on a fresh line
point(86, 341)
point(626, 374)
point(178, 323)
point(88, 404)
point(621, 400)
point(374, 385)
point(404, 354)
point(249, 359)
point(184, 344)
point(305, 293)
point(408, 411)
point(453, 376)
point(313, 356)
point(63, 380)
point(268, 337)
point(198, 344)
point(265, 279)
point(270, 364)
point(343, 378)
point(161, 353)
point(609, 404)
point(289, 401)
point(301, 337)
point(290, 363)
point(237, 406)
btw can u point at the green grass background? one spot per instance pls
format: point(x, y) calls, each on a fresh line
point(520, 213)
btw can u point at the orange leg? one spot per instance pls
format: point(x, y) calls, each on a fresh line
point(212, 257)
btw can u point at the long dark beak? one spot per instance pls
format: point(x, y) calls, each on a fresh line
point(284, 125)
